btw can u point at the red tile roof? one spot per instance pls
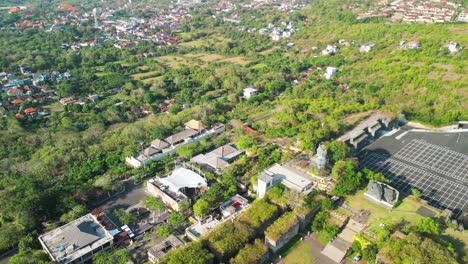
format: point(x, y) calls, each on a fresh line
point(17, 101)
point(29, 110)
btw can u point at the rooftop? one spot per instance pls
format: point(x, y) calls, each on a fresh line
point(183, 178)
point(196, 125)
point(202, 227)
point(158, 251)
point(289, 177)
point(235, 204)
point(182, 135)
point(75, 239)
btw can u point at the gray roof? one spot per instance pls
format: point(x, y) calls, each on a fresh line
point(265, 177)
point(226, 151)
point(75, 239)
point(182, 135)
point(159, 144)
point(83, 234)
point(150, 151)
point(158, 251)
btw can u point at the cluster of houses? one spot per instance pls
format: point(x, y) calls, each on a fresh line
point(277, 33)
point(79, 240)
point(194, 131)
point(415, 11)
point(29, 88)
point(124, 33)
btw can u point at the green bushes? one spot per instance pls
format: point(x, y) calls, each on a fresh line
point(227, 239)
point(281, 226)
point(251, 253)
point(260, 213)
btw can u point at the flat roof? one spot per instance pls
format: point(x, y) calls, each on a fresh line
point(289, 177)
point(200, 228)
point(161, 249)
point(70, 241)
point(183, 178)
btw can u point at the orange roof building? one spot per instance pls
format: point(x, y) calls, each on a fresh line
point(30, 110)
point(17, 101)
point(14, 10)
point(68, 7)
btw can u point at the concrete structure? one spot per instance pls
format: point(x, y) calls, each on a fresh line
point(366, 128)
point(155, 253)
point(218, 159)
point(322, 160)
point(366, 47)
point(381, 193)
point(249, 92)
point(172, 189)
point(234, 206)
point(337, 248)
point(331, 71)
point(452, 46)
point(276, 244)
point(160, 148)
point(77, 241)
point(197, 230)
point(287, 176)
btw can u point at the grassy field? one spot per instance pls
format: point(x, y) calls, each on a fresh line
point(406, 211)
point(145, 75)
point(55, 107)
point(300, 255)
point(151, 80)
point(379, 214)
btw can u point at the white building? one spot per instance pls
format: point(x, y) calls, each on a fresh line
point(77, 241)
point(331, 71)
point(249, 92)
point(453, 46)
point(289, 177)
point(366, 47)
point(330, 50)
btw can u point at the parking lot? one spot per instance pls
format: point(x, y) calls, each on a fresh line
point(440, 173)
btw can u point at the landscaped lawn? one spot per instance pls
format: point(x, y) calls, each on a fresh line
point(302, 254)
point(379, 214)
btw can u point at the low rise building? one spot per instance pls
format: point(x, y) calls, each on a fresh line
point(173, 189)
point(289, 177)
point(77, 241)
point(197, 230)
point(156, 252)
point(249, 92)
point(331, 71)
point(194, 131)
point(218, 159)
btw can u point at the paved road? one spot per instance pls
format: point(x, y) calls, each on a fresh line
point(132, 195)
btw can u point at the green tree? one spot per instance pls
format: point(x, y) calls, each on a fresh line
point(164, 231)
point(427, 226)
point(201, 208)
point(337, 150)
point(120, 256)
point(176, 220)
point(192, 253)
point(154, 204)
point(416, 193)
